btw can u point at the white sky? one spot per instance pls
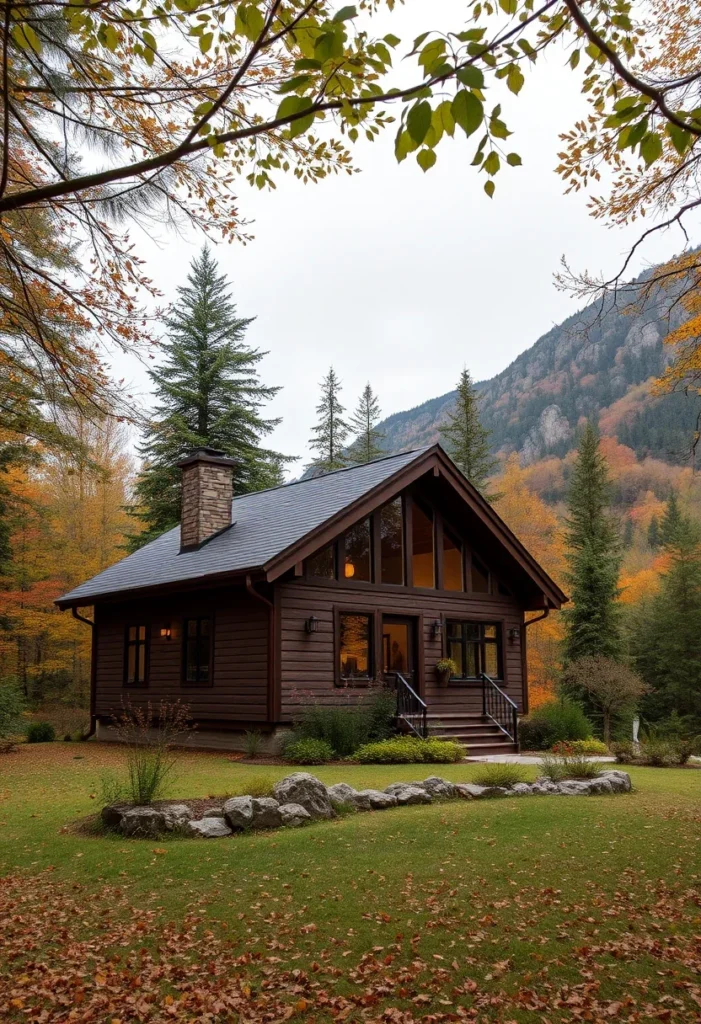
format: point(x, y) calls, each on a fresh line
point(402, 277)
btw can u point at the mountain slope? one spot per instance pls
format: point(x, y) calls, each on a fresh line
point(591, 365)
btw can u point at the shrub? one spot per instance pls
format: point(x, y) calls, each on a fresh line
point(447, 665)
point(149, 735)
point(254, 785)
point(556, 721)
point(658, 753)
point(613, 688)
point(252, 741)
point(309, 751)
point(409, 750)
point(347, 727)
point(504, 775)
point(41, 732)
point(590, 747)
point(624, 751)
point(567, 763)
point(11, 708)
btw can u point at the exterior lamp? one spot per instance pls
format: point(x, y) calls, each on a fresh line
point(437, 629)
point(311, 624)
point(166, 632)
point(514, 635)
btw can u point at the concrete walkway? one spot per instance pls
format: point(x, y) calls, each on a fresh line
point(523, 758)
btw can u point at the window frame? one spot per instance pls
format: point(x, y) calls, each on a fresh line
point(498, 642)
point(137, 643)
point(341, 553)
point(199, 683)
point(358, 682)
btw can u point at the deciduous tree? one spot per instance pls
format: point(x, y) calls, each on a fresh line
point(612, 688)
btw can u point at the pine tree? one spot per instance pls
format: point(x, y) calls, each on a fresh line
point(671, 520)
point(331, 432)
point(653, 534)
point(628, 533)
point(209, 394)
point(466, 440)
point(366, 446)
point(593, 556)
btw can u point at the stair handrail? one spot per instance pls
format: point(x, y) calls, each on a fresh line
point(498, 706)
point(410, 707)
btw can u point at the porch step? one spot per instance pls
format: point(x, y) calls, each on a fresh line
point(475, 731)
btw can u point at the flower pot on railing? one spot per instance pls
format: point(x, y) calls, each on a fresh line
point(445, 670)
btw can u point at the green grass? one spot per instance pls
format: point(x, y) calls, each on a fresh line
point(515, 909)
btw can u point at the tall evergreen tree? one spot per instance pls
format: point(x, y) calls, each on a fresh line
point(331, 432)
point(653, 534)
point(208, 394)
point(466, 440)
point(593, 556)
point(671, 520)
point(364, 420)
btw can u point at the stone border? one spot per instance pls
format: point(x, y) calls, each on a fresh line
point(301, 798)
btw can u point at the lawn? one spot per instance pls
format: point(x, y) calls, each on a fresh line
point(530, 910)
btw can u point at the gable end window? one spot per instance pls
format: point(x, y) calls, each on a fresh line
point(136, 656)
point(355, 647)
point(197, 652)
point(475, 647)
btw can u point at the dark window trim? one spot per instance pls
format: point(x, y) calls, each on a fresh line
point(431, 512)
point(341, 554)
point(334, 545)
point(184, 681)
point(362, 682)
point(137, 643)
point(499, 641)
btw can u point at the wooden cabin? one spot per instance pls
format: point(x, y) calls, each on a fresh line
point(316, 591)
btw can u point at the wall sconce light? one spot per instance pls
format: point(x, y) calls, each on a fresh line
point(311, 624)
point(514, 635)
point(437, 629)
point(166, 632)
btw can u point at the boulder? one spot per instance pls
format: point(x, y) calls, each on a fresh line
point(440, 789)
point(214, 812)
point(266, 812)
point(599, 786)
point(620, 781)
point(395, 787)
point(469, 791)
point(294, 815)
point(574, 787)
point(406, 793)
point(113, 814)
point(378, 800)
point(176, 816)
point(306, 790)
point(209, 828)
point(238, 812)
point(343, 795)
point(145, 822)
point(521, 789)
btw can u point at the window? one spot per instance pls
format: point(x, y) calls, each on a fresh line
point(422, 557)
point(355, 645)
point(392, 542)
point(136, 656)
point(480, 576)
point(452, 563)
point(357, 561)
point(197, 642)
point(475, 647)
point(322, 565)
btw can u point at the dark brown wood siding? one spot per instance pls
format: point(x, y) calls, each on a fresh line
point(238, 692)
point(308, 660)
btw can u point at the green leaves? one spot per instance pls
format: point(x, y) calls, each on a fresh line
point(471, 77)
point(26, 38)
point(467, 111)
point(296, 105)
point(250, 21)
point(513, 160)
point(681, 140)
point(425, 158)
point(345, 14)
point(418, 121)
point(651, 148)
point(515, 79)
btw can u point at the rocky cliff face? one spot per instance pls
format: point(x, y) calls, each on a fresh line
point(589, 366)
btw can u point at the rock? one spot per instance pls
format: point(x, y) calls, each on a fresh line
point(176, 816)
point(306, 790)
point(406, 794)
point(574, 787)
point(238, 812)
point(343, 795)
point(214, 812)
point(545, 787)
point(147, 822)
point(378, 800)
point(113, 814)
point(395, 787)
point(266, 812)
point(620, 781)
point(521, 789)
point(468, 791)
point(294, 815)
point(440, 789)
point(599, 786)
point(209, 828)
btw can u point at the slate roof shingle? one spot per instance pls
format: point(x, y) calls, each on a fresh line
point(266, 523)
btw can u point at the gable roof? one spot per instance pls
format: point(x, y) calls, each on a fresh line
point(273, 529)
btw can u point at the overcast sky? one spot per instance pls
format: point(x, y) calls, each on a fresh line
point(400, 277)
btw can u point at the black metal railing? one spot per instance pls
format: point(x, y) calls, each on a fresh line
point(500, 708)
point(411, 710)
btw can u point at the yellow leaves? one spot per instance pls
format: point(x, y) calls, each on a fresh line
point(25, 37)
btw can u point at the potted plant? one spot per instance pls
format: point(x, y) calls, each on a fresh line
point(445, 668)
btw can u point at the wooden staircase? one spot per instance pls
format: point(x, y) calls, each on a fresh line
point(479, 733)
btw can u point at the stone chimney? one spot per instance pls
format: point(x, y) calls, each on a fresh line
point(208, 489)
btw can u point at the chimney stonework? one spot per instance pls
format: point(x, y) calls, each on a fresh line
point(207, 493)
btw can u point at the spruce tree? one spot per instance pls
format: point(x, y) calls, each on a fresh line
point(671, 520)
point(653, 534)
point(366, 446)
point(466, 440)
point(331, 432)
point(593, 555)
point(209, 394)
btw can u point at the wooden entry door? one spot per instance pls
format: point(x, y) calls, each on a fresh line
point(399, 647)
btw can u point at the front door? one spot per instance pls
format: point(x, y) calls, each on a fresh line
point(399, 647)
